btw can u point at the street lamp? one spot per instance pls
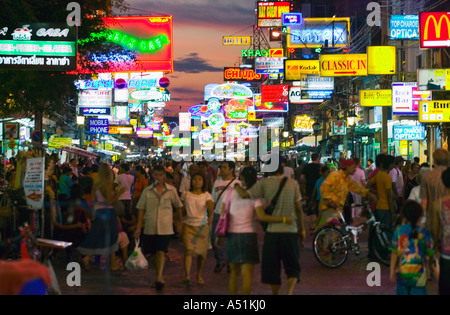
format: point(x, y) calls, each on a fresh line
point(316, 128)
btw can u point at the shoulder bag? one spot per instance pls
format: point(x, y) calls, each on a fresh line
point(271, 207)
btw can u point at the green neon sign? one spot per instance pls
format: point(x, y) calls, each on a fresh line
point(133, 43)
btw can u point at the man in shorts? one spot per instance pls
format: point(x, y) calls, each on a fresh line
point(156, 207)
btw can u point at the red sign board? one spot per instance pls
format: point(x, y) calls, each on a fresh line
point(240, 74)
point(274, 93)
point(149, 37)
point(269, 12)
point(434, 29)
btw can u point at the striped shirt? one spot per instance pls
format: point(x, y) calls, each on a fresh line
point(290, 194)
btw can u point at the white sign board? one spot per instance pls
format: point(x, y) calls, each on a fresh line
point(33, 183)
point(95, 98)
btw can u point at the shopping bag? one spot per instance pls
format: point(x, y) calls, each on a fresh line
point(137, 260)
point(224, 220)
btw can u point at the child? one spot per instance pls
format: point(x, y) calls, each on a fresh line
point(411, 244)
point(199, 207)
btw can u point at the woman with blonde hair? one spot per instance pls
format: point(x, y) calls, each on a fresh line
point(103, 236)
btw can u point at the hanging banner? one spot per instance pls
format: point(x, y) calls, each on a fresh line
point(33, 183)
point(343, 65)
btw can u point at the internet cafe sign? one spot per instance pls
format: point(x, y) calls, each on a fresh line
point(38, 46)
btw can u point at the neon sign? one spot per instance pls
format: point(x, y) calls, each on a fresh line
point(131, 42)
point(254, 53)
point(236, 109)
point(239, 74)
point(200, 110)
point(315, 31)
point(153, 94)
point(110, 84)
point(216, 121)
point(149, 37)
point(231, 91)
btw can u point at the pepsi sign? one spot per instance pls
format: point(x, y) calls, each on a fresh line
point(95, 111)
point(293, 18)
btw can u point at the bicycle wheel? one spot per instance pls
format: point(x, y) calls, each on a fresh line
point(381, 243)
point(330, 247)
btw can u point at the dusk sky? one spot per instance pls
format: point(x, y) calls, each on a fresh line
point(198, 27)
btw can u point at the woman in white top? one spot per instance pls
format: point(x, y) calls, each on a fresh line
point(241, 240)
point(199, 210)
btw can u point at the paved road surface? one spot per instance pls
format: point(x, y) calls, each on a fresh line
point(350, 279)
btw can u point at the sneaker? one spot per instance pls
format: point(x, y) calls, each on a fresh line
point(219, 267)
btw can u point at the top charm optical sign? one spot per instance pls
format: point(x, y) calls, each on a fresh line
point(404, 27)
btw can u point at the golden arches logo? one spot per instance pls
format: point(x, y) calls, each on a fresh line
point(437, 25)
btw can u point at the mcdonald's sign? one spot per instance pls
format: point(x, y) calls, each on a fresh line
point(434, 29)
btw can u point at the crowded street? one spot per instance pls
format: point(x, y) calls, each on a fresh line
point(241, 148)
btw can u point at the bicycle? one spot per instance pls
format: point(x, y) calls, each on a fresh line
point(333, 242)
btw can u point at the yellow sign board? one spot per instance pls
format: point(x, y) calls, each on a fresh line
point(120, 130)
point(236, 40)
point(375, 97)
point(343, 65)
point(381, 60)
point(434, 111)
point(447, 79)
point(293, 69)
point(403, 147)
point(56, 142)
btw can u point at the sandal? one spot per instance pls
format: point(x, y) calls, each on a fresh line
point(187, 283)
point(200, 282)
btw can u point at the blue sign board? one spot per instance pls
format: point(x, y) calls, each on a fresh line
point(409, 132)
point(98, 126)
point(404, 27)
point(95, 111)
point(293, 18)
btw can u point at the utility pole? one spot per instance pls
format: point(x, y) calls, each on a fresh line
point(385, 80)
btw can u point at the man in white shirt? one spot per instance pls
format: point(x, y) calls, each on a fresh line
point(287, 170)
point(222, 184)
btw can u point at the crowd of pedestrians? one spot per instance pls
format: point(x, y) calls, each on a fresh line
point(105, 208)
point(410, 198)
